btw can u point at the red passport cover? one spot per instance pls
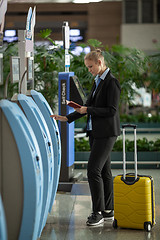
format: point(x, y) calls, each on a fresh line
point(73, 104)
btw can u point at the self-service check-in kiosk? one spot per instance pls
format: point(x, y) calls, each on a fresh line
point(42, 134)
point(3, 227)
point(69, 89)
point(21, 174)
point(55, 136)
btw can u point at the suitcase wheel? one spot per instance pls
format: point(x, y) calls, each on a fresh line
point(115, 223)
point(147, 226)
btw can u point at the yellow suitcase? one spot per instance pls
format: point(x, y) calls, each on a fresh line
point(134, 197)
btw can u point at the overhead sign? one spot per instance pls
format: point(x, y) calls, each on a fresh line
point(30, 24)
point(33, 20)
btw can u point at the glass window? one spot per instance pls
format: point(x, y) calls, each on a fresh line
point(131, 10)
point(147, 11)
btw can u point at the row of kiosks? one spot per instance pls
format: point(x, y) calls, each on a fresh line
point(22, 173)
point(30, 159)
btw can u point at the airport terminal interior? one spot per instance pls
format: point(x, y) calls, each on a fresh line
point(44, 190)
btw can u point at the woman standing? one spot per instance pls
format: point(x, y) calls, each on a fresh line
point(103, 127)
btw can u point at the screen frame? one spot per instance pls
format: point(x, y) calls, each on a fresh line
point(79, 88)
point(14, 78)
point(30, 64)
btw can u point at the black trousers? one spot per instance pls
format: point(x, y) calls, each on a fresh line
point(99, 173)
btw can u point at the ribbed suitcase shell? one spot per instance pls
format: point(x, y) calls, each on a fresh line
point(134, 197)
point(134, 203)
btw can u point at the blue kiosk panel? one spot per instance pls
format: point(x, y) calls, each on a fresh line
point(3, 227)
point(42, 134)
point(66, 130)
point(56, 141)
point(31, 167)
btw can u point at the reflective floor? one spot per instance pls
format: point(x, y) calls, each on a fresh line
point(67, 220)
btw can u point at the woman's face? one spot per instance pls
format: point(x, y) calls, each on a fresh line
point(93, 67)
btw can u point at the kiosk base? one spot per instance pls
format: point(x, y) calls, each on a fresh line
point(67, 186)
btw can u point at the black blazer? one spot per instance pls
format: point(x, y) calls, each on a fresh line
point(103, 107)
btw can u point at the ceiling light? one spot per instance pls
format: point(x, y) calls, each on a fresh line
point(86, 1)
point(80, 1)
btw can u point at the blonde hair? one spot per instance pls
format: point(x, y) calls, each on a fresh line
point(95, 56)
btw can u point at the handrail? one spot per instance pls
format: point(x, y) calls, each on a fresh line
point(121, 162)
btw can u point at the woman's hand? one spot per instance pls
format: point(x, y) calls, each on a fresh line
point(81, 110)
point(60, 118)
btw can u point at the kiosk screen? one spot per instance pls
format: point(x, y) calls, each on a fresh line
point(77, 93)
point(30, 69)
point(15, 69)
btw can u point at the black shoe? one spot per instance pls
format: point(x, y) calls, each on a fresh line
point(108, 216)
point(95, 219)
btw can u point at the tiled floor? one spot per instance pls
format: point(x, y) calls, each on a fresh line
point(67, 220)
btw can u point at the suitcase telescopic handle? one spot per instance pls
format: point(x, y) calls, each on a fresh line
point(129, 126)
point(135, 149)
